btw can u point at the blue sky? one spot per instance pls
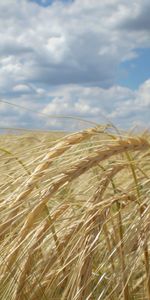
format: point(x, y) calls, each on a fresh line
point(43, 2)
point(136, 71)
point(86, 59)
point(46, 3)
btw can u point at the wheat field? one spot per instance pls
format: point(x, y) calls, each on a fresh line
point(75, 219)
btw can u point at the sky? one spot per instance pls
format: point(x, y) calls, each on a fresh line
point(84, 59)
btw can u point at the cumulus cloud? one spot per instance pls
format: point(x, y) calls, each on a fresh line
point(138, 17)
point(78, 43)
point(118, 105)
point(64, 58)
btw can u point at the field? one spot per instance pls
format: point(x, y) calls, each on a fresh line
point(75, 218)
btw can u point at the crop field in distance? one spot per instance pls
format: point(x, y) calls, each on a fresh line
point(75, 215)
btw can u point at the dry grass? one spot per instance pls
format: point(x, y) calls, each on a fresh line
point(74, 216)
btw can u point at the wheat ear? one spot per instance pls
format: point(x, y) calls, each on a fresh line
point(132, 144)
point(28, 186)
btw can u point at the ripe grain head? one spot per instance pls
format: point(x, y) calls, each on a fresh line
point(75, 225)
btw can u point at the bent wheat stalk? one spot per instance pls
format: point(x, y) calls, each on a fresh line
point(132, 144)
point(28, 186)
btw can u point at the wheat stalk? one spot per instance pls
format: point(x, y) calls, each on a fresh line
point(39, 171)
point(65, 269)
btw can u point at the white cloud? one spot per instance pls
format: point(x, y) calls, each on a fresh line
point(119, 105)
point(63, 44)
point(22, 88)
point(143, 96)
point(64, 58)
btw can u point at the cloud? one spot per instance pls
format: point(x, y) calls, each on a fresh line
point(143, 96)
point(119, 105)
point(64, 58)
point(78, 43)
point(91, 103)
point(22, 88)
point(138, 17)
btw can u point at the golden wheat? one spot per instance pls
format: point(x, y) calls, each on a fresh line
point(76, 226)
